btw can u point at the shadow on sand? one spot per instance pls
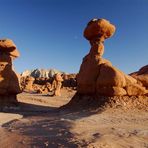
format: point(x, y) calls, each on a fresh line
point(46, 126)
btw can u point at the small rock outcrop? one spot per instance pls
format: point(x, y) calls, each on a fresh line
point(42, 89)
point(57, 84)
point(28, 83)
point(44, 85)
point(9, 83)
point(141, 76)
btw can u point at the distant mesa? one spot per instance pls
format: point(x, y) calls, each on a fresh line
point(98, 77)
point(9, 82)
point(41, 73)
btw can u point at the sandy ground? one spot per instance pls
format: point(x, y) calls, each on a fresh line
point(42, 125)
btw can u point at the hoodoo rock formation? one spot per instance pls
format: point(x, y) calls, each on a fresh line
point(99, 83)
point(97, 75)
point(9, 83)
point(29, 83)
point(57, 84)
point(45, 85)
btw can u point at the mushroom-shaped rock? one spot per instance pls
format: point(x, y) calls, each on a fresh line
point(97, 75)
point(99, 83)
point(9, 82)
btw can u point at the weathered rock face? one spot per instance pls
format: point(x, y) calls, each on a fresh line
point(69, 81)
point(141, 76)
point(42, 89)
point(9, 83)
point(97, 75)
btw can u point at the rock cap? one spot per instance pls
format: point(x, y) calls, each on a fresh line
point(99, 28)
point(8, 46)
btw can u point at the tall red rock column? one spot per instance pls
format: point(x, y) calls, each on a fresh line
point(97, 75)
point(9, 83)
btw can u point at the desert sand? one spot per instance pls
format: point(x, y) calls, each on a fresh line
point(38, 122)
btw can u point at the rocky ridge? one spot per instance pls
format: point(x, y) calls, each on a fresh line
point(38, 73)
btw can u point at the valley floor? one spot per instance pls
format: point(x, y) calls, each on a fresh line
point(39, 123)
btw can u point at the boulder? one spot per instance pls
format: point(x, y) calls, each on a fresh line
point(129, 80)
point(135, 90)
point(110, 76)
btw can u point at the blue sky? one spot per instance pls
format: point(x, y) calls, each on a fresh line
point(49, 33)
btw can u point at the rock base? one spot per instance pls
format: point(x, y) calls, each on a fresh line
point(102, 102)
point(8, 100)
